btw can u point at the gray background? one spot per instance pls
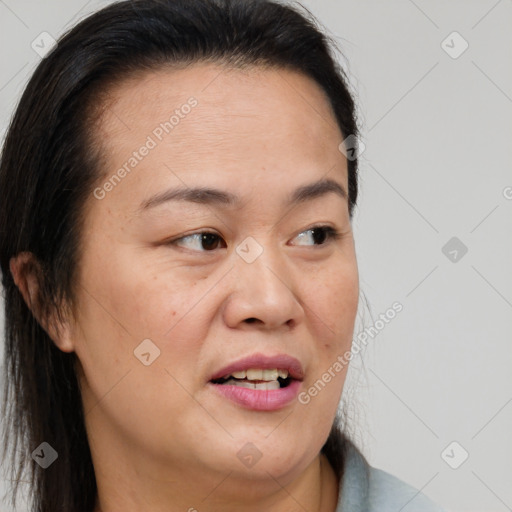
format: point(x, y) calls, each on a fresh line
point(438, 137)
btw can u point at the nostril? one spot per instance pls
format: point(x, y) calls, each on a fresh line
point(251, 320)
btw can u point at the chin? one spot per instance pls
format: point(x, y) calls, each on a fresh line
point(262, 459)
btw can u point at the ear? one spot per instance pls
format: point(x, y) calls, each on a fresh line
point(27, 273)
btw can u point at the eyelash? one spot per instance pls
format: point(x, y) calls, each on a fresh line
point(331, 233)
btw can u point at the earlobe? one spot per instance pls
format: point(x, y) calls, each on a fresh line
point(25, 270)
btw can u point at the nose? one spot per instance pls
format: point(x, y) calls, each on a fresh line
point(264, 294)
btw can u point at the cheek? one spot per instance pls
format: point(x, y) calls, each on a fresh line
point(148, 296)
point(126, 300)
point(332, 308)
point(332, 300)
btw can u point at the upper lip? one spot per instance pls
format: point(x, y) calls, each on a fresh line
point(279, 361)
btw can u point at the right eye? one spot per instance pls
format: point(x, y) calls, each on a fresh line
point(204, 241)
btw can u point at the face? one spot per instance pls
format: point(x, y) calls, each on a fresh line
point(179, 288)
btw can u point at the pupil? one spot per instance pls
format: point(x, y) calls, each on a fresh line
point(209, 238)
point(319, 233)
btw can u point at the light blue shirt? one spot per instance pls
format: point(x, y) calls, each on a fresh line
point(364, 488)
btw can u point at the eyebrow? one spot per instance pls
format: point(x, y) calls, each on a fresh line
point(216, 197)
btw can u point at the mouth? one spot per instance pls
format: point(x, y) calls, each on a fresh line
point(260, 382)
point(257, 378)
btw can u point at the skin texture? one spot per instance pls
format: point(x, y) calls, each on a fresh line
point(160, 437)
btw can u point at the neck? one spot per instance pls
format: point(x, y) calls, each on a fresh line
point(316, 489)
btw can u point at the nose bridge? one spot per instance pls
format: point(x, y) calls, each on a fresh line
point(262, 263)
point(264, 290)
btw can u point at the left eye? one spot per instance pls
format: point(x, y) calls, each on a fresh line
point(319, 234)
point(210, 241)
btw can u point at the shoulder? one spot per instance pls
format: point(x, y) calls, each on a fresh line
point(364, 488)
point(387, 493)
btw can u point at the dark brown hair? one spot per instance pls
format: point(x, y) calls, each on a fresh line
point(50, 164)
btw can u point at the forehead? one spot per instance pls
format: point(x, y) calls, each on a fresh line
point(243, 124)
point(256, 103)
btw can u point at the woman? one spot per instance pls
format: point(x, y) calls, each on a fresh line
point(179, 266)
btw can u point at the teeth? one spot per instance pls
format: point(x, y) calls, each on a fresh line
point(269, 375)
point(260, 374)
point(239, 383)
point(263, 386)
point(268, 385)
point(254, 374)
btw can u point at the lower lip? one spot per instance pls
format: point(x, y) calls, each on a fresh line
point(259, 399)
